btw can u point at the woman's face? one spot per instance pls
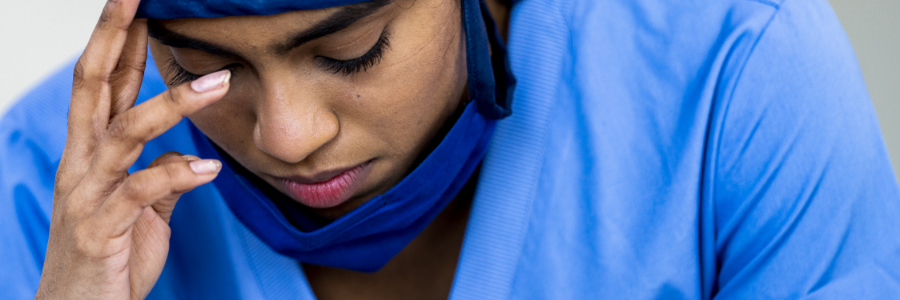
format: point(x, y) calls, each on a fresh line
point(332, 106)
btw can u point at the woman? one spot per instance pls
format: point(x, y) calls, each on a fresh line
point(654, 150)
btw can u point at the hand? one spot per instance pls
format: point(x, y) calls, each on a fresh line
point(109, 233)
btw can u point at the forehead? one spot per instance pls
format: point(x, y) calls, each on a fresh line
point(205, 28)
point(251, 32)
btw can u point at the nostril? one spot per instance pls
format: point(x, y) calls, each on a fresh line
point(293, 137)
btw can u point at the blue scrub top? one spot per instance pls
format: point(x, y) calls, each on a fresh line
point(657, 150)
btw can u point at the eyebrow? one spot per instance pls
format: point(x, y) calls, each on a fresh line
point(335, 22)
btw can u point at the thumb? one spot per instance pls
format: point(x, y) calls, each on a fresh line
point(165, 206)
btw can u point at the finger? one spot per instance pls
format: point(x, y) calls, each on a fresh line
point(108, 38)
point(99, 187)
point(129, 131)
point(99, 59)
point(166, 205)
point(146, 187)
point(89, 107)
point(129, 73)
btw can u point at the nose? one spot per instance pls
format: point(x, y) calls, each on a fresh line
point(291, 124)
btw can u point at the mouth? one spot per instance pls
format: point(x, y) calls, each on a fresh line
point(328, 189)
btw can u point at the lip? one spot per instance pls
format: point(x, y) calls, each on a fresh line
point(327, 189)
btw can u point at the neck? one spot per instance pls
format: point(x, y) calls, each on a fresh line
point(499, 10)
point(424, 269)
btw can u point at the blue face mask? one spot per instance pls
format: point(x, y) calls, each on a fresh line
point(368, 237)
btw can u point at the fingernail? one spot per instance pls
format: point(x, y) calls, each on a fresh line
point(211, 81)
point(206, 166)
point(190, 157)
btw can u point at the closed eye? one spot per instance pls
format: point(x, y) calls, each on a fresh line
point(359, 64)
point(345, 67)
point(181, 76)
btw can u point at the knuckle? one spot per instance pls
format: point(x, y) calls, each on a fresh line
point(105, 15)
point(85, 242)
point(137, 67)
point(175, 174)
point(84, 72)
point(173, 97)
point(122, 129)
point(88, 242)
point(78, 74)
point(172, 179)
point(137, 187)
point(118, 129)
point(174, 103)
point(128, 72)
point(108, 17)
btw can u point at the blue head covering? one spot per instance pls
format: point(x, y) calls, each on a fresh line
point(368, 237)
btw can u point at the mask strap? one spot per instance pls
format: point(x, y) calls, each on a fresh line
point(490, 78)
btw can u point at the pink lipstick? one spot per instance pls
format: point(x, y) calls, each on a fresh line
point(331, 192)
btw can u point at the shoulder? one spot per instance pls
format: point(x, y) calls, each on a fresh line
point(653, 27)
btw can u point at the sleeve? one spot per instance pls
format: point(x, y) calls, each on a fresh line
point(32, 135)
point(806, 203)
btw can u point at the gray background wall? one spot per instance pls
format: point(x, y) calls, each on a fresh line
point(874, 30)
point(39, 35)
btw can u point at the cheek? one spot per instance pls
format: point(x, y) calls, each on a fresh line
point(230, 121)
point(221, 121)
point(226, 123)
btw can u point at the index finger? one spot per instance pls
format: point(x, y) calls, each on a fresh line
point(128, 132)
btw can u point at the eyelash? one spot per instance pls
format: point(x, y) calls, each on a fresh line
point(346, 67)
point(359, 64)
point(180, 75)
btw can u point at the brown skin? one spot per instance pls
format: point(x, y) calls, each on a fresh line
point(287, 116)
point(109, 233)
point(280, 115)
point(424, 269)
